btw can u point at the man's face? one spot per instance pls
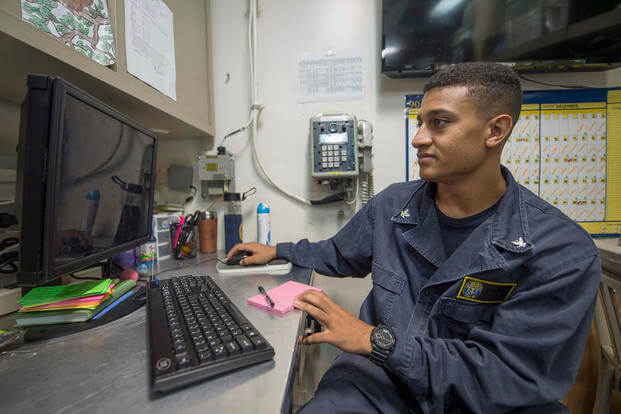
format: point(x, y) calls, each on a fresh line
point(451, 135)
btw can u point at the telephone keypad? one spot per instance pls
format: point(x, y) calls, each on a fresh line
point(332, 156)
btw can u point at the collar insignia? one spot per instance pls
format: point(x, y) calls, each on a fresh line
point(520, 243)
point(404, 213)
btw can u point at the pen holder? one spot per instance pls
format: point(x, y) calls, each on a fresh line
point(183, 241)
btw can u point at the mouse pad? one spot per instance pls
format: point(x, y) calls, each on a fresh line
point(273, 267)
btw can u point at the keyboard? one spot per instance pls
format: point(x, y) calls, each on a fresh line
point(196, 332)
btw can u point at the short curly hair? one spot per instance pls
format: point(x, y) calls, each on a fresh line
point(496, 88)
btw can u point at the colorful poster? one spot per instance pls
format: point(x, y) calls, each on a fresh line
point(83, 25)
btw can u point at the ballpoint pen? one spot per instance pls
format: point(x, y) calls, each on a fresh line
point(266, 296)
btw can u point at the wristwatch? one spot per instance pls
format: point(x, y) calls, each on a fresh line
point(383, 342)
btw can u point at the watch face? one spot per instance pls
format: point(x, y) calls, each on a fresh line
point(383, 338)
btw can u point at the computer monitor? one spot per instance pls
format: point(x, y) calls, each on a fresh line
point(85, 179)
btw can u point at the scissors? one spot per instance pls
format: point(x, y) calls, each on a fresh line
point(192, 219)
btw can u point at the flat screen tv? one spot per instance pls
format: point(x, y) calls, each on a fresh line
point(84, 181)
point(420, 37)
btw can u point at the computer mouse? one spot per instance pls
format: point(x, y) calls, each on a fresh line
point(236, 258)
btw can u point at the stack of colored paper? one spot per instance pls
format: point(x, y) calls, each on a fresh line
point(72, 303)
point(84, 295)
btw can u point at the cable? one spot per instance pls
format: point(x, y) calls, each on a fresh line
point(554, 84)
point(353, 201)
point(243, 128)
point(255, 107)
point(214, 202)
point(364, 191)
point(252, 82)
point(368, 189)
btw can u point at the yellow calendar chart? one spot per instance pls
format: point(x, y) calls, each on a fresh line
point(521, 152)
point(569, 153)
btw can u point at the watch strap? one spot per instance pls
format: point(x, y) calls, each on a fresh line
point(378, 356)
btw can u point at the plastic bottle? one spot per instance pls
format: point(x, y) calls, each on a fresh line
point(146, 254)
point(263, 224)
point(232, 220)
point(90, 211)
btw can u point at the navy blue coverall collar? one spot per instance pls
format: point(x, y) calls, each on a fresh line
point(506, 229)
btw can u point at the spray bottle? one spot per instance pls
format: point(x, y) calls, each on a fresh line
point(263, 224)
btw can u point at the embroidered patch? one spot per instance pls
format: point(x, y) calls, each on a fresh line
point(482, 291)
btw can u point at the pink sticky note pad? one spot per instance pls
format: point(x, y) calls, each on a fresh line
point(282, 296)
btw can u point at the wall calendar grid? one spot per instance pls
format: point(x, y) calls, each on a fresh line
point(565, 147)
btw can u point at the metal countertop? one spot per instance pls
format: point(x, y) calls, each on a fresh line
point(105, 370)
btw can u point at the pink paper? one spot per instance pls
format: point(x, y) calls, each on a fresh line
point(282, 296)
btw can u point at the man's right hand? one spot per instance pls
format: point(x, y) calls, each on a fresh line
point(261, 253)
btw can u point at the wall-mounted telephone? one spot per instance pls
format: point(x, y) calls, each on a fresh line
point(341, 152)
point(334, 150)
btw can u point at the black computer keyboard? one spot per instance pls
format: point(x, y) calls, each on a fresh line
point(196, 332)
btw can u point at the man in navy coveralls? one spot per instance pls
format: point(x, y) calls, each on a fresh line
point(483, 293)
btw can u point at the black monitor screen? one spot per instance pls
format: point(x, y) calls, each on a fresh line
point(84, 183)
point(103, 194)
point(420, 36)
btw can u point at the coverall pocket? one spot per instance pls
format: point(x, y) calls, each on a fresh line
point(459, 317)
point(387, 285)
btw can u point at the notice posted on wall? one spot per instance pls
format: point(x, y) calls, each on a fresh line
point(327, 77)
point(149, 37)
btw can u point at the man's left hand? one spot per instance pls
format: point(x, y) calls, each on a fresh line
point(340, 328)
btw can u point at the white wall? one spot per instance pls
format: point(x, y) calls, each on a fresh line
point(285, 28)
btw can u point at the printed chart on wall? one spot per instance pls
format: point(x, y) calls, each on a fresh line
point(566, 148)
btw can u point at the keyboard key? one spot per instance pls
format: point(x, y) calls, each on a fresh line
point(258, 342)
point(205, 356)
point(183, 360)
point(232, 347)
point(244, 343)
point(219, 352)
point(203, 348)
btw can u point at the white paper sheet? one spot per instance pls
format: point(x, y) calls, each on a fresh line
point(330, 76)
point(150, 44)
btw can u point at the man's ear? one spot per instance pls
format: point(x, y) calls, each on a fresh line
point(499, 130)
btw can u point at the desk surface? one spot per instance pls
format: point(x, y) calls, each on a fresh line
point(105, 368)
